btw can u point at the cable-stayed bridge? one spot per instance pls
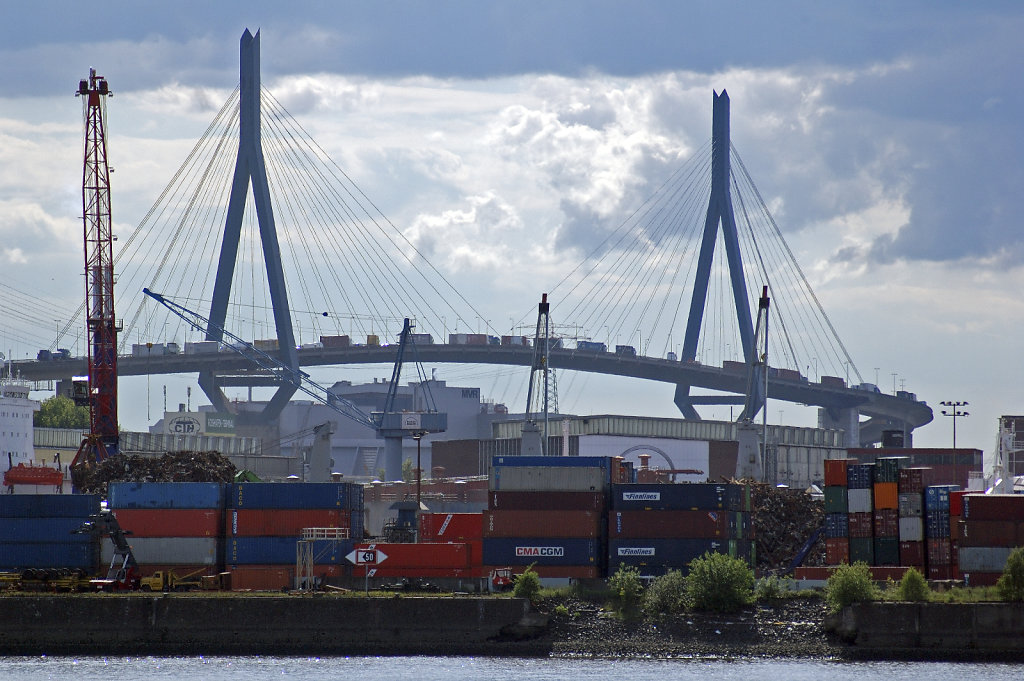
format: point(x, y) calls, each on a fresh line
point(262, 231)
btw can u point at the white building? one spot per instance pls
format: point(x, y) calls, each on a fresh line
point(16, 411)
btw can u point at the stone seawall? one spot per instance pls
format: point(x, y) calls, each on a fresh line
point(111, 624)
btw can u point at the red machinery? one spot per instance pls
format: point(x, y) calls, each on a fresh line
point(101, 324)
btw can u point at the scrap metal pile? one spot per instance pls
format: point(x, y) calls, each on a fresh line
point(784, 519)
point(169, 467)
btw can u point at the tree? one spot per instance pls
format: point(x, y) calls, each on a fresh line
point(61, 412)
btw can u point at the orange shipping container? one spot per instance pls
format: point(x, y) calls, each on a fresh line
point(887, 495)
point(563, 524)
point(171, 522)
point(262, 577)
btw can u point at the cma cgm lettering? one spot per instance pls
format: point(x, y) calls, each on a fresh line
point(540, 551)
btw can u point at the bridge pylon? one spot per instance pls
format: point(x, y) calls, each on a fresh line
point(250, 168)
point(720, 212)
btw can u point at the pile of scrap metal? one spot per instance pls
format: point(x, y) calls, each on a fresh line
point(168, 467)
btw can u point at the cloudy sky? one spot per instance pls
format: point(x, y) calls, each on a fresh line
point(884, 136)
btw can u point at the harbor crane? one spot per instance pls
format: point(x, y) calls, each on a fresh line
point(390, 424)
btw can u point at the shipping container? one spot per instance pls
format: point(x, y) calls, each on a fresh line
point(911, 504)
point(956, 503)
point(886, 523)
point(861, 525)
point(837, 499)
point(591, 346)
point(603, 462)
point(837, 551)
point(201, 347)
point(860, 500)
point(983, 558)
point(451, 526)
point(280, 522)
point(59, 554)
point(373, 340)
point(439, 555)
point(936, 497)
point(887, 468)
point(679, 524)
point(860, 475)
point(911, 529)
point(568, 571)
point(862, 550)
point(912, 553)
point(265, 344)
point(296, 495)
point(887, 551)
point(837, 525)
point(262, 577)
point(476, 339)
point(915, 479)
point(672, 553)
point(171, 550)
point(548, 478)
point(421, 338)
point(936, 524)
point(832, 381)
point(166, 495)
point(990, 533)
point(981, 578)
point(886, 495)
point(271, 550)
point(941, 572)
point(550, 501)
point(993, 507)
point(625, 350)
point(385, 572)
point(939, 551)
point(335, 341)
point(580, 524)
point(43, 530)
point(542, 551)
point(681, 497)
point(49, 505)
point(515, 340)
point(171, 522)
point(835, 472)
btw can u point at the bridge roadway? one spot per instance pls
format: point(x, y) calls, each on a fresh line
point(883, 411)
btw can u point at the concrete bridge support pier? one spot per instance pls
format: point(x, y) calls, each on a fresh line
point(842, 419)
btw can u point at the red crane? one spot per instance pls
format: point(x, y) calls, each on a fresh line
point(101, 324)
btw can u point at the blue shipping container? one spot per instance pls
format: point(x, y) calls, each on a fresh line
point(681, 497)
point(282, 550)
point(142, 495)
point(553, 461)
point(49, 505)
point(43, 530)
point(936, 524)
point(936, 497)
point(837, 525)
point(860, 475)
point(673, 554)
point(543, 551)
point(303, 495)
point(14, 555)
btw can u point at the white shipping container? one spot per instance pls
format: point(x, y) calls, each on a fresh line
point(860, 501)
point(168, 550)
point(458, 338)
point(201, 347)
point(150, 350)
point(549, 479)
point(983, 558)
point(911, 529)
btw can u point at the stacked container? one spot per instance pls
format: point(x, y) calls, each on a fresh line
point(448, 560)
point(860, 484)
point(993, 524)
point(837, 520)
point(912, 483)
point(264, 522)
point(938, 531)
point(547, 512)
point(175, 526)
point(885, 515)
point(36, 531)
point(460, 528)
point(662, 527)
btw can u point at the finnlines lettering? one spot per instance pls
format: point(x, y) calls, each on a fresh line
point(544, 551)
point(641, 496)
point(636, 551)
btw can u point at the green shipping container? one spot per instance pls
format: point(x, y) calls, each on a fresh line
point(862, 550)
point(887, 468)
point(836, 499)
point(887, 551)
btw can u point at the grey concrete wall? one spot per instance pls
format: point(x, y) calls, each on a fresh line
point(300, 624)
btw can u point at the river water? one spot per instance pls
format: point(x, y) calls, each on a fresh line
point(489, 669)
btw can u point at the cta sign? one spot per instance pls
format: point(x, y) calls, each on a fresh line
point(184, 425)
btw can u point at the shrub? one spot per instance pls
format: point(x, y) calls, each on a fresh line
point(849, 584)
point(913, 587)
point(527, 585)
point(665, 595)
point(626, 590)
point(772, 588)
point(719, 582)
point(1011, 584)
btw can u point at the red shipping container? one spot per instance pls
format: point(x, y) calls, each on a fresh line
point(171, 522)
point(423, 572)
point(451, 526)
point(567, 571)
point(915, 479)
point(262, 577)
point(939, 551)
point(956, 502)
point(835, 471)
point(475, 549)
point(280, 522)
point(887, 522)
point(912, 553)
point(940, 572)
point(837, 551)
point(564, 524)
point(676, 524)
point(993, 507)
point(988, 533)
point(861, 525)
point(446, 555)
point(546, 501)
point(981, 578)
point(886, 495)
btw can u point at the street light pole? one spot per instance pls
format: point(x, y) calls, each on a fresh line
point(953, 413)
point(418, 436)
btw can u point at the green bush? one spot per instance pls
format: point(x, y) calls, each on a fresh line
point(849, 584)
point(913, 587)
point(527, 585)
point(772, 588)
point(666, 595)
point(719, 582)
point(1011, 584)
point(627, 590)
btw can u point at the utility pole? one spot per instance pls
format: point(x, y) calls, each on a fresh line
point(954, 412)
